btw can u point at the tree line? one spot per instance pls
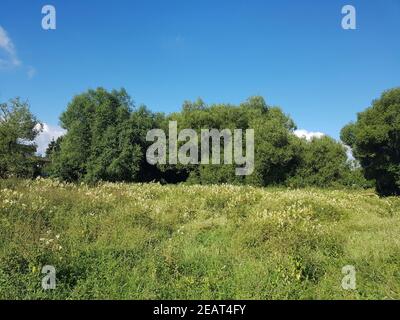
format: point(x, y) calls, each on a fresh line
point(106, 141)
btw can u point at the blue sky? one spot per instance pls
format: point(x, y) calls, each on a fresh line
point(294, 53)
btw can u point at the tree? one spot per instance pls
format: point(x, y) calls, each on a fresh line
point(53, 147)
point(375, 140)
point(18, 130)
point(275, 151)
point(105, 139)
point(322, 162)
point(276, 147)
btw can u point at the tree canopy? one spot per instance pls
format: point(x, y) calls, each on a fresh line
point(18, 129)
point(375, 140)
point(106, 140)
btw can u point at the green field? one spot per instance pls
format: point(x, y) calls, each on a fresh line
point(148, 241)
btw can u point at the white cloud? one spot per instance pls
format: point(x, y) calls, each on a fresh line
point(8, 57)
point(349, 152)
point(44, 138)
point(31, 72)
point(308, 135)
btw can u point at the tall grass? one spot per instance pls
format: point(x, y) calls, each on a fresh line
point(147, 241)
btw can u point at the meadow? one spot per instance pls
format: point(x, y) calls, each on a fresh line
point(149, 241)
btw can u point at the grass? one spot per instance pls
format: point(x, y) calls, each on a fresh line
point(147, 241)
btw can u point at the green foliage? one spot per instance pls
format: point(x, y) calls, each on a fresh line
point(276, 148)
point(105, 138)
point(18, 129)
point(274, 140)
point(105, 141)
point(147, 241)
point(375, 139)
point(322, 163)
point(280, 156)
point(54, 147)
